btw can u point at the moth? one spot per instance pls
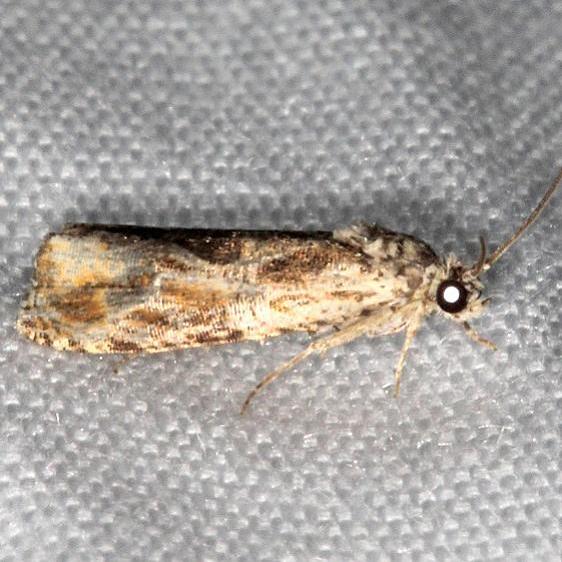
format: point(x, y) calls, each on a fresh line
point(129, 289)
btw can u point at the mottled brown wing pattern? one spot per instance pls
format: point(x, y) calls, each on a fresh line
point(121, 289)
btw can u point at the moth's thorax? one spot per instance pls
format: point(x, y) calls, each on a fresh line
point(400, 267)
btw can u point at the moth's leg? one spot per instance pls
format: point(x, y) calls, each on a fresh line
point(411, 330)
point(334, 339)
point(473, 335)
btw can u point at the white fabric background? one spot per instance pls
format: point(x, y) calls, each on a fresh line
point(441, 119)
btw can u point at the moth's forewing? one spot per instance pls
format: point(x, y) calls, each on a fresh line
point(118, 289)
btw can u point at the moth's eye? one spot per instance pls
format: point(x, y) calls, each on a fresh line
point(452, 296)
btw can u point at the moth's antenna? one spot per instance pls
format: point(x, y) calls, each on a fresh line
point(477, 268)
point(492, 258)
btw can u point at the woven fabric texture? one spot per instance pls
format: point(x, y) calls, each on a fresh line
point(440, 119)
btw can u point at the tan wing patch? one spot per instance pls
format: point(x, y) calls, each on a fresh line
point(64, 262)
point(188, 295)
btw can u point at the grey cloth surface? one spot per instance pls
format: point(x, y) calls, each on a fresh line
point(441, 119)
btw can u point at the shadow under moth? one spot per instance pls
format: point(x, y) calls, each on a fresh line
point(128, 289)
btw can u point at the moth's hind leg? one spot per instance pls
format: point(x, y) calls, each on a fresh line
point(411, 331)
point(414, 317)
point(334, 339)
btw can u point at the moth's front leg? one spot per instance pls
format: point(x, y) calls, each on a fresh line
point(475, 336)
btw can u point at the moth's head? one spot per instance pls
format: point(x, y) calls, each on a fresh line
point(457, 291)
